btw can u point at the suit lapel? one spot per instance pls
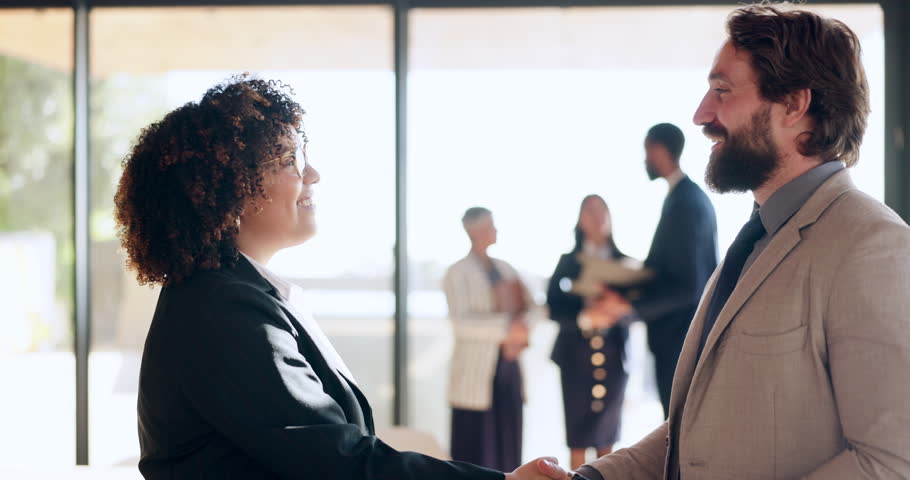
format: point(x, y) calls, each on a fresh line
point(303, 323)
point(365, 407)
point(356, 407)
point(786, 239)
point(685, 366)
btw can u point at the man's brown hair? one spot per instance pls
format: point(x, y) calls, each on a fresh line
point(796, 49)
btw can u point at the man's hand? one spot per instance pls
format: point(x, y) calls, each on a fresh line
point(546, 468)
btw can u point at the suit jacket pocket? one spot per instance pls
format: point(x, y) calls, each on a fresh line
point(774, 344)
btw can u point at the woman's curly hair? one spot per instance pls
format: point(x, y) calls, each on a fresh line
point(185, 182)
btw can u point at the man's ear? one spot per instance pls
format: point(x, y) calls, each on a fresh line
point(796, 106)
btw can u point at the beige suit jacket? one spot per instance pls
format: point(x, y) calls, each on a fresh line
point(806, 373)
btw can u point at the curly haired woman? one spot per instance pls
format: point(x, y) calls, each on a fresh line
point(235, 381)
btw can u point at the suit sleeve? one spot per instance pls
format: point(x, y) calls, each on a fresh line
point(642, 461)
point(680, 244)
point(868, 338)
point(564, 306)
point(246, 376)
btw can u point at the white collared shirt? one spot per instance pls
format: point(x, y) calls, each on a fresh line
point(283, 286)
point(293, 295)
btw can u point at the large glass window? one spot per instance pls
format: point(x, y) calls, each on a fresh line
point(530, 112)
point(521, 110)
point(338, 60)
point(37, 408)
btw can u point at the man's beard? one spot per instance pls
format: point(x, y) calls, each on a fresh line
point(746, 160)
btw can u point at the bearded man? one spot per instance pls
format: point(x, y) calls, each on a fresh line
point(796, 362)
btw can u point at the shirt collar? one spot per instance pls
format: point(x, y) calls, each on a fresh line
point(280, 284)
point(787, 200)
point(674, 178)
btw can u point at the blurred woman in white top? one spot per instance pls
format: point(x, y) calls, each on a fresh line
point(488, 306)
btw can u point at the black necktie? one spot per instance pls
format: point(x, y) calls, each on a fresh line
point(736, 257)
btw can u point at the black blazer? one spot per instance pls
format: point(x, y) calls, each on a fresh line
point(683, 255)
point(233, 387)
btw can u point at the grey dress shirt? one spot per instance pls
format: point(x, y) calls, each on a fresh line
point(786, 201)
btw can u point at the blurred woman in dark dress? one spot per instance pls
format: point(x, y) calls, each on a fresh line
point(590, 347)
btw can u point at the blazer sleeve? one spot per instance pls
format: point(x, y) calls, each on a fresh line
point(868, 338)
point(564, 306)
point(468, 323)
point(244, 373)
point(643, 461)
point(679, 245)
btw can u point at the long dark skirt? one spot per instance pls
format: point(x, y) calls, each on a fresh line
point(492, 438)
point(593, 393)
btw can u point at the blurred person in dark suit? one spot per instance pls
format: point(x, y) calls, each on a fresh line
point(683, 255)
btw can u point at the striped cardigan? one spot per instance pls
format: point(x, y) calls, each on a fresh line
point(478, 330)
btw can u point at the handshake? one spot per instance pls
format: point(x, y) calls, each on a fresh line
point(545, 468)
